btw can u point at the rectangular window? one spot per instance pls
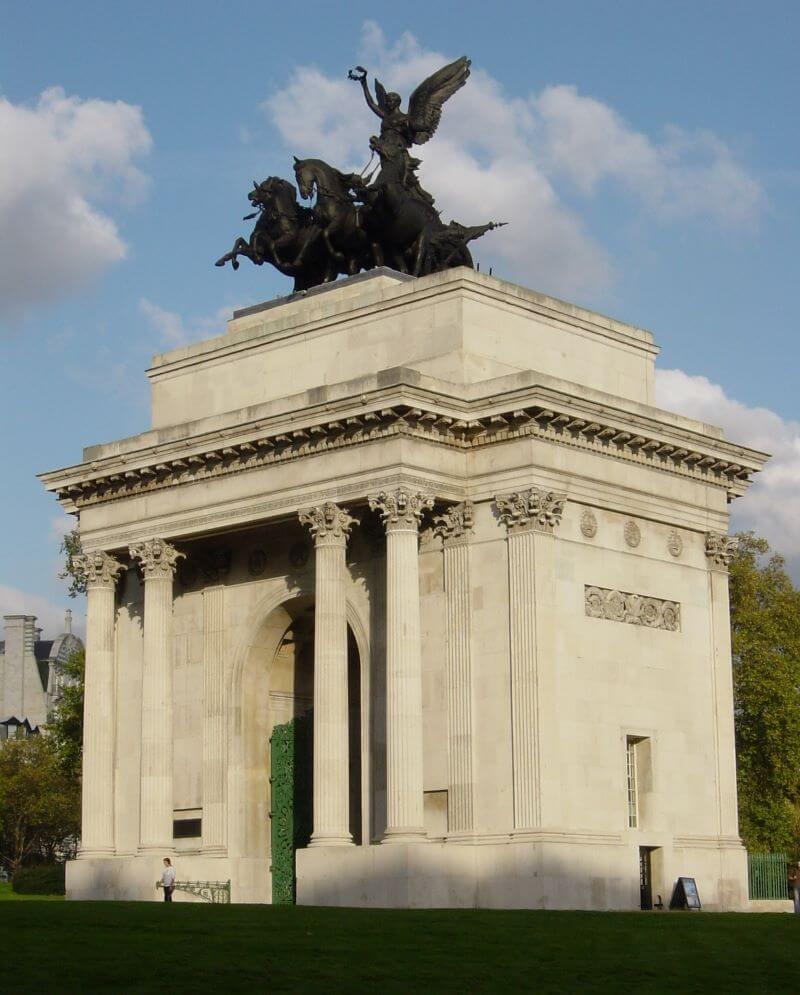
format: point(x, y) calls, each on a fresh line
point(633, 788)
point(185, 829)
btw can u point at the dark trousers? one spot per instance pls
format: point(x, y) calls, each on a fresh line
point(168, 893)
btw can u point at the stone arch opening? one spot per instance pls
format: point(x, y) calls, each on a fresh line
point(272, 684)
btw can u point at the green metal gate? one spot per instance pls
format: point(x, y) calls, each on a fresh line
point(291, 773)
point(767, 875)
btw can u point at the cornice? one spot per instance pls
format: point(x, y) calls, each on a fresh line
point(412, 412)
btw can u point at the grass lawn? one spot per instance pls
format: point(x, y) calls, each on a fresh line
point(7, 895)
point(127, 947)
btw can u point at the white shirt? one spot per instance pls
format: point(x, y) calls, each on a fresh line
point(168, 877)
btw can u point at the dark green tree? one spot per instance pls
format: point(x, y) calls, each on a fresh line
point(65, 725)
point(39, 803)
point(71, 546)
point(765, 630)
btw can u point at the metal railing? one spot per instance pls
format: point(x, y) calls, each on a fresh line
point(218, 892)
point(767, 876)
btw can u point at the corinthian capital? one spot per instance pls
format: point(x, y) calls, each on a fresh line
point(455, 522)
point(157, 557)
point(720, 548)
point(400, 509)
point(534, 508)
point(328, 522)
point(97, 568)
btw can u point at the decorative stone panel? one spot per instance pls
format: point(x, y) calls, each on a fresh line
point(635, 609)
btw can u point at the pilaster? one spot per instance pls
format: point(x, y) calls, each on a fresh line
point(215, 740)
point(454, 527)
point(531, 518)
point(719, 551)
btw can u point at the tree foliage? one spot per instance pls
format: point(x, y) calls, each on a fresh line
point(39, 803)
point(765, 630)
point(71, 546)
point(65, 725)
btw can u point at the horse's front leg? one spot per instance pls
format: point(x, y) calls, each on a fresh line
point(240, 248)
point(312, 238)
point(421, 253)
point(332, 229)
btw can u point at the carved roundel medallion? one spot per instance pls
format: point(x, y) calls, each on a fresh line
point(633, 534)
point(188, 573)
point(298, 555)
point(675, 543)
point(257, 562)
point(588, 523)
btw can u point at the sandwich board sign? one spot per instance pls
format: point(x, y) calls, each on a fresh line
point(685, 895)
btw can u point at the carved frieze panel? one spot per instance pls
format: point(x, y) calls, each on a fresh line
point(635, 609)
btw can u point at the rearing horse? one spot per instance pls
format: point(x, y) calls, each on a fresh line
point(339, 221)
point(283, 230)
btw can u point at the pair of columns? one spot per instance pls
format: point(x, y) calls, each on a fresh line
point(101, 571)
point(330, 525)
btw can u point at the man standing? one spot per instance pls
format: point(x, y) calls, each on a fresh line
point(167, 881)
point(794, 885)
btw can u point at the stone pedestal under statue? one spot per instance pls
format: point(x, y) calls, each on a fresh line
point(414, 598)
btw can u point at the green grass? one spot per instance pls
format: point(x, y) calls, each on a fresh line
point(7, 895)
point(126, 947)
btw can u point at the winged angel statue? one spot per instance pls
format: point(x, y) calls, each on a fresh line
point(356, 223)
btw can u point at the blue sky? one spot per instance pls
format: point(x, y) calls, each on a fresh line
point(647, 153)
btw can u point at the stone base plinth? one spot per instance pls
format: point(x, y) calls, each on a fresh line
point(133, 878)
point(511, 875)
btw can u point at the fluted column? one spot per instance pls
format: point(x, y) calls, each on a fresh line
point(402, 510)
point(215, 763)
point(158, 560)
point(454, 527)
point(97, 801)
point(330, 526)
point(719, 550)
point(526, 515)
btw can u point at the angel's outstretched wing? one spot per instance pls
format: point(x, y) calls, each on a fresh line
point(380, 95)
point(425, 103)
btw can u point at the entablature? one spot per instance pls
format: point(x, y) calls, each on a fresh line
point(412, 410)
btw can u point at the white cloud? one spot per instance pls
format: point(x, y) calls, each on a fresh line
point(60, 160)
point(505, 158)
point(687, 174)
point(772, 505)
point(174, 331)
point(50, 616)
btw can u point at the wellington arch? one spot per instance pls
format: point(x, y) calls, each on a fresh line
point(410, 596)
